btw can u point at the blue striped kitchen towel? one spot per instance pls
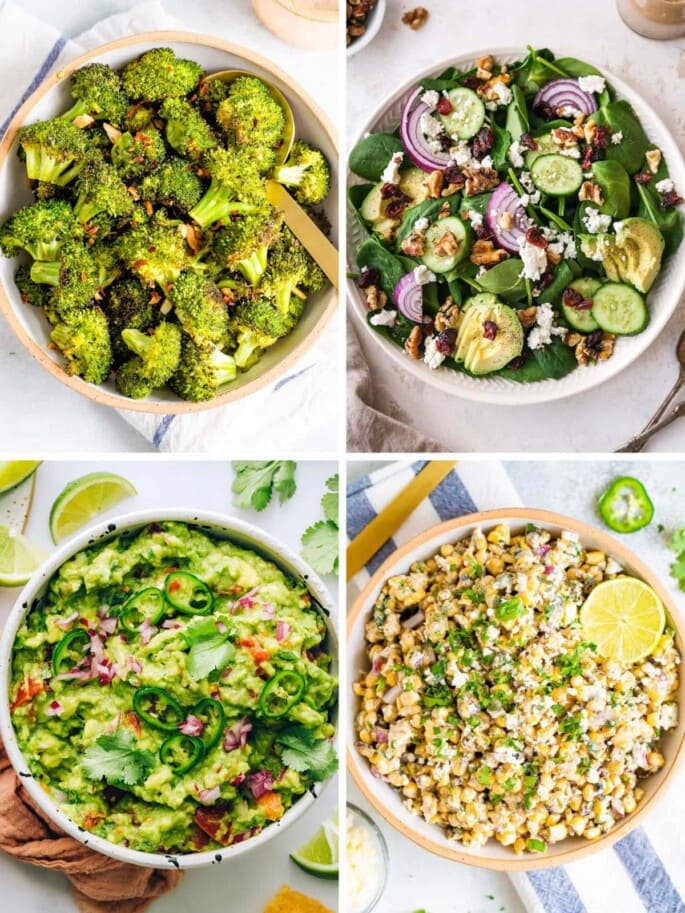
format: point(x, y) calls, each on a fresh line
point(294, 410)
point(642, 873)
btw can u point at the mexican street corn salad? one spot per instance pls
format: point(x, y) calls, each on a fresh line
point(490, 710)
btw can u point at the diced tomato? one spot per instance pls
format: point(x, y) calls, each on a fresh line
point(198, 840)
point(259, 654)
point(216, 822)
point(271, 806)
point(92, 819)
point(26, 692)
point(131, 720)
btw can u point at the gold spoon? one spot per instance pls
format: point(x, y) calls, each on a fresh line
point(297, 220)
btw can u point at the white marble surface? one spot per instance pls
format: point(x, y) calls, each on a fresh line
point(601, 419)
point(246, 884)
point(42, 415)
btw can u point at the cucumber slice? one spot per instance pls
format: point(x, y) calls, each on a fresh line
point(620, 309)
point(467, 116)
point(434, 234)
point(545, 145)
point(557, 175)
point(371, 209)
point(583, 321)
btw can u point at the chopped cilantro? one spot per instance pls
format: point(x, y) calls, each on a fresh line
point(677, 543)
point(476, 570)
point(484, 775)
point(439, 670)
point(115, 759)
point(474, 596)
point(510, 610)
point(255, 482)
point(303, 752)
point(437, 696)
point(320, 542)
point(572, 726)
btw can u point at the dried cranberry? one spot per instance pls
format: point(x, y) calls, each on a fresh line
point(516, 363)
point(601, 137)
point(392, 191)
point(546, 280)
point(590, 155)
point(594, 339)
point(528, 141)
point(575, 300)
point(483, 142)
point(454, 176)
point(395, 209)
point(445, 142)
point(445, 106)
point(644, 177)
point(428, 326)
point(369, 277)
point(547, 111)
point(472, 82)
point(670, 199)
point(489, 329)
point(483, 233)
point(444, 342)
point(535, 237)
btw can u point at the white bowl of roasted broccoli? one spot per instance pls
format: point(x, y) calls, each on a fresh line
point(143, 265)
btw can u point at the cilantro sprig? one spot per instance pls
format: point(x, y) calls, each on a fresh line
point(256, 481)
point(303, 752)
point(320, 542)
point(115, 759)
point(677, 543)
point(210, 649)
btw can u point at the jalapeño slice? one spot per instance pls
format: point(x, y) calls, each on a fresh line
point(70, 650)
point(625, 506)
point(211, 715)
point(188, 594)
point(158, 708)
point(145, 605)
point(281, 693)
point(181, 752)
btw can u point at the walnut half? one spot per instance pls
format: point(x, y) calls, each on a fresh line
point(413, 344)
point(484, 253)
point(415, 18)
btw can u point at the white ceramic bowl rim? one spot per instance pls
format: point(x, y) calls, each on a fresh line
point(499, 390)
point(223, 526)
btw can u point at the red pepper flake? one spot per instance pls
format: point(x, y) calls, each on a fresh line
point(535, 237)
point(489, 329)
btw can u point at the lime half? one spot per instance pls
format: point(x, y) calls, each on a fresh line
point(19, 558)
point(319, 857)
point(625, 618)
point(15, 472)
point(86, 498)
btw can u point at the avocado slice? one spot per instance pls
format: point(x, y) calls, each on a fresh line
point(478, 353)
point(412, 182)
point(632, 256)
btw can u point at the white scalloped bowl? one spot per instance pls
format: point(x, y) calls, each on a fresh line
point(663, 298)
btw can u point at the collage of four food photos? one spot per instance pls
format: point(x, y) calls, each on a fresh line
point(342, 506)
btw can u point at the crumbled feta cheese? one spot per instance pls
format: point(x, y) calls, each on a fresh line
point(665, 186)
point(421, 225)
point(613, 567)
point(618, 227)
point(461, 153)
point(431, 98)
point(491, 632)
point(569, 111)
point(430, 127)
point(384, 319)
point(481, 272)
point(423, 275)
point(534, 260)
point(544, 329)
point(562, 243)
point(668, 718)
point(502, 92)
point(505, 754)
point(515, 155)
point(431, 356)
point(475, 218)
point(592, 83)
point(617, 138)
point(595, 221)
point(485, 162)
point(573, 152)
point(391, 175)
point(527, 181)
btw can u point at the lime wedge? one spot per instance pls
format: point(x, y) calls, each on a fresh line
point(19, 558)
point(15, 472)
point(625, 618)
point(86, 498)
point(319, 857)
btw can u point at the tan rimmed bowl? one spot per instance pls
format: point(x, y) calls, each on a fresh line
point(52, 97)
point(386, 799)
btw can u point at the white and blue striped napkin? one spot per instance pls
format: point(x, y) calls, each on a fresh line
point(295, 410)
point(642, 873)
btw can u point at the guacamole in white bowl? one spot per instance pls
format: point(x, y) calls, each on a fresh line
point(170, 690)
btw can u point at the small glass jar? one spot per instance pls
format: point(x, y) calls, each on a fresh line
point(313, 24)
point(662, 19)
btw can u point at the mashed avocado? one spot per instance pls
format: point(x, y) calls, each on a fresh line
point(171, 690)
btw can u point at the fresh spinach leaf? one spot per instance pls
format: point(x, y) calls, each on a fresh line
point(374, 255)
point(370, 156)
point(620, 118)
point(503, 140)
point(556, 360)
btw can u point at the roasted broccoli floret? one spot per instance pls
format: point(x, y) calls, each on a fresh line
point(139, 117)
point(252, 118)
point(31, 292)
point(157, 357)
point(156, 252)
point(74, 276)
point(263, 316)
point(291, 274)
point(250, 347)
point(186, 129)
point(83, 338)
point(106, 258)
point(135, 155)
point(54, 150)
point(40, 229)
point(99, 189)
point(235, 187)
point(200, 308)
point(210, 95)
point(160, 74)
point(97, 91)
point(202, 370)
point(174, 184)
point(243, 243)
point(128, 306)
point(307, 172)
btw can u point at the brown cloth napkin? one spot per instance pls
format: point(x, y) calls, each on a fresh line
point(100, 884)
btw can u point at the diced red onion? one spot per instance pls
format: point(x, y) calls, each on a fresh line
point(106, 671)
point(103, 611)
point(392, 694)
point(134, 665)
point(378, 663)
point(147, 632)
point(416, 660)
point(209, 796)
point(64, 623)
point(241, 838)
point(413, 138)
point(414, 621)
point(542, 550)
point(283, 630)
point(260, 783)
point(381, 736)
point(268, 611)
point(565, 93)
point(228, 671)
point(108, 626)
point(170, 623)
point(221, 627)
point(549, 569)
point(505, 199)
point(55, 709)
point(236, 736)
point(238, 780)
point(96, 646)
point(192, 726)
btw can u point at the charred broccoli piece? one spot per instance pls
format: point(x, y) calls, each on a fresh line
point(252, 118)
point(31, 292)
point(263, 316)
point(40, 229)
point(291, 274)
point(83, 338)
point(250, 346)
point(243, 243)
point(186, 129)
point(235, 187)
point(202, 370)
point(98, 95)
point(307, 172)
point(54, 151)
point(200, 308)
point(74, 276)
point(156, 252)
point(135, 155)
point(99, 190)
point(138, 118)
point(160, 74)
point(106, 258)
point(174, 183)
point(210, 95)
point(156, 358)
point(128, 306)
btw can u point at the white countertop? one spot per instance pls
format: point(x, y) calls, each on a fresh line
point(38, 413)
point(596, 421)
point(254, 878)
